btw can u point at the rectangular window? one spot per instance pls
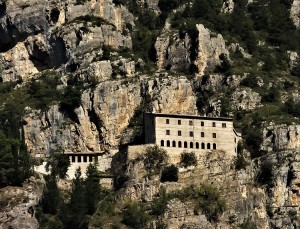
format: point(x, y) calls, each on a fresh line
point(167, 121)
point(202, 134)
point(73, 158)
point(91, 158)
point(179, 122)
point(84, 158)
point(224, 125)
point(214, 124)
point(191, 134)
point(202, 123)
point(179, 133)
point(214, 135)
point(190, 122)
point(167, 132)
point(78, 158)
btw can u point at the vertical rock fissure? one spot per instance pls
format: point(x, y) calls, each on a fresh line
point(95, 119)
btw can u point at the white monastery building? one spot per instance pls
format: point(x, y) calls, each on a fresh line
point(177, 133)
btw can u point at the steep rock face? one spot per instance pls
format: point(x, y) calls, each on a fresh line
point(172, 52)
point(244, 201)
point(18, 205)
point(295, 12)
point(104, 115)
point(56, 32)
point(210, 47)
point(245, 99)
point(281, 137)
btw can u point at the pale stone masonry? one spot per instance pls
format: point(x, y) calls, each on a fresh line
point(177, 133)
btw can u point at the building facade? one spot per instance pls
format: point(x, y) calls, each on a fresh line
point(177, 133)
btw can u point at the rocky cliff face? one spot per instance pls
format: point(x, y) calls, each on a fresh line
point(17, 205)
point(295, 12)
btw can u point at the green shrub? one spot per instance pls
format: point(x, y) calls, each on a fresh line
point(208, 199)
point(250, 81)
point(265, 175)
point(169, 173)
point(188, 159)
point(155, 159)
point(135, 216)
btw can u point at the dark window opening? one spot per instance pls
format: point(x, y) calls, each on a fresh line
point(214, 124)
point(179, 144)
point(197, 145)
point(179, 133)
point(85, 158)
point(179, 122)
point(167, 121)
point(202, 134)
point(168, 143)
point(73, 158)
point(224, 125)
point(191, 134)
point(214, 146)
point(191, 145)
point(185, 144)
point(202, 123)
point(190, 123)
point(208, 145)
point(90, 158)
point(214, 135)
point(162, 143)
point(167, 132)
point(202, 145)
point(174, 144)
point(78, 158)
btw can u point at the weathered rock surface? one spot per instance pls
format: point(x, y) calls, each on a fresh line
point(17, 205)
point(210, 47)
point(295, 12)
point(281, 137)
point(105, 114)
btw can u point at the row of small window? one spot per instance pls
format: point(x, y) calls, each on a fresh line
point(179, 133)
point(185, 145)
point(84, 158)
point(191, 123)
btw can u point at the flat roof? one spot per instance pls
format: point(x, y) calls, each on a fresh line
point(186, 116)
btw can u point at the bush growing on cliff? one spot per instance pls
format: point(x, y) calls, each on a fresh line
point(188, 159)
point(155, 159)
point(135, 216)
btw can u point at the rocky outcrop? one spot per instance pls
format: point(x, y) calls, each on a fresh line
point(17, 205)
point(228, 6)
point(245, 99)
point(281, 137)
point(104, 114)
point(210, 47)
point(295, 12)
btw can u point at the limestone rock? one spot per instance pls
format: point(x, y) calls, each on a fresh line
point(228, 6)
point(210, 47)
point(245, 99)
point(18, 205)
point(281, 137)
point(295, 12)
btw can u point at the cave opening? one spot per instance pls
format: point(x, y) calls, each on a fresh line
point(54, 15)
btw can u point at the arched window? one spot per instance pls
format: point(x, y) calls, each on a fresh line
point(174, 144)
point(202, 145)
point(197, 145)
point(208, 145)
point(191, 145)
point(162, 143)
point(214, 146)
point(179, 144)
point(185, 144)
point(168, 143)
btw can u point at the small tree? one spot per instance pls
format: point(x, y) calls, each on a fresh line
point(58, 164)
point(51, 197)
point(170, 173)
point(155, 158)
point(135, 216)
point(188, 159)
